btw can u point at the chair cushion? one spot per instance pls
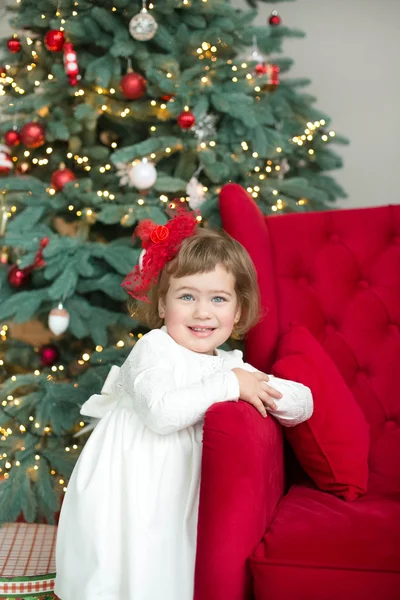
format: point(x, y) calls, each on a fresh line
point(332, 446)
point(347, 550)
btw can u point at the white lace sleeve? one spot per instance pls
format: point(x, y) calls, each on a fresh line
point(147, 377)
point(296, 404)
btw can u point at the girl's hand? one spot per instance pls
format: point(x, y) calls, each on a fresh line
point(255, 390)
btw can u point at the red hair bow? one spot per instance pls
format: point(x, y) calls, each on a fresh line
point(160, 244)
point(159, 234)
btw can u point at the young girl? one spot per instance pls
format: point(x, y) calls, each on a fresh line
point(128, 523)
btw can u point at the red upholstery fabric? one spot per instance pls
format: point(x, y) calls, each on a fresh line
point(242, 482)
point(337, 273)
point(299, 557)
point(332, 446)
point(243, 221)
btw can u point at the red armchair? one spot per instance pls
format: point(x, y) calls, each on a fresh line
point(262, 536)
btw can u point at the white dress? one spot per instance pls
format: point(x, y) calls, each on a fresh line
point(128, 523)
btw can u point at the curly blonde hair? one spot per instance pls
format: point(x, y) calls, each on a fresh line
point(201, 253)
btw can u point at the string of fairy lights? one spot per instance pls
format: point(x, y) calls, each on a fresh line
point(35, 427)
point(207, 53)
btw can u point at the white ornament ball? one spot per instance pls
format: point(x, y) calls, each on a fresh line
point(143, 175)
point(59, 319)
point(143, 26)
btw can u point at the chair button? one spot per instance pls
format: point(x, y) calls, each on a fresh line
point(330, 327)
point(363, 284)
point(363, 372)
point(302, 281)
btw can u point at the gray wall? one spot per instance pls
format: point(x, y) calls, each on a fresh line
point(351, 54)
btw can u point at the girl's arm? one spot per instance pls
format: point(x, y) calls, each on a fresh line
point(147, 377)
point(296, 404)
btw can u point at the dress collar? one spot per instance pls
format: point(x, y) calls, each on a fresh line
point(209, 357)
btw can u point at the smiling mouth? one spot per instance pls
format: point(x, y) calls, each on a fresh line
point(204, 330)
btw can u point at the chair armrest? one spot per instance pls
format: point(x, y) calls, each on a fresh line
point(242, 481)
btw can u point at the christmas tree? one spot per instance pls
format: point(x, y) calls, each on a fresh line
point(112, 113)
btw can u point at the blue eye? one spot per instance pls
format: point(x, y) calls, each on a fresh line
point(186, 297)
point(219, 299)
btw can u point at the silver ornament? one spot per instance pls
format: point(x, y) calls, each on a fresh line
point(204, 128)
point(143, 26)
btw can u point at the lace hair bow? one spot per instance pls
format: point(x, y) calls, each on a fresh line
point(160, 244)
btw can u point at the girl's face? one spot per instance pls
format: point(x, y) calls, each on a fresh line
point(200, 310)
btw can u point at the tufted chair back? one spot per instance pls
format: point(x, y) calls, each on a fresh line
point(338, 273)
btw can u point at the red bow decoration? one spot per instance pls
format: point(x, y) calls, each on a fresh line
point(39, 260)
point(161, 244)
point(159, 234)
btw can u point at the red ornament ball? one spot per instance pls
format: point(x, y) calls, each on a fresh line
point(186, 120)
point(33, 135)
point(167, 97)
point(14, 45)
point(261, 69)
point(54, 40)
point(12, 137)
point(274, 18)
point(19, 278)
point(73, 80)
point(60, 177)
point(2, 71)
point(49, 354)
point(133, 86)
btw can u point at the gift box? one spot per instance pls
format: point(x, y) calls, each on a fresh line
point(27, 561)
